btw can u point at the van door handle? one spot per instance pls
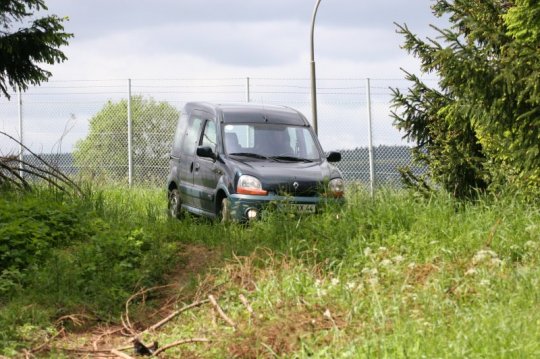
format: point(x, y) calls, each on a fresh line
point(197, 166)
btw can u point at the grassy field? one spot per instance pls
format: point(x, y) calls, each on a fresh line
point(394, 276)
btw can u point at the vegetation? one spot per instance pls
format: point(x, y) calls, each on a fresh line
point(22, 49)
point(103, 153)
point(480, 126)
point(396, 276)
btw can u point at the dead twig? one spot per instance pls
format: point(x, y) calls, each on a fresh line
point(246, 304)
point(105, 334)
point(128, 329)
point(180, 342)
point(142, 292)
point(58, 174)
point(120, 354)
point(220, 311)
point(47, 342)
point(174, 314)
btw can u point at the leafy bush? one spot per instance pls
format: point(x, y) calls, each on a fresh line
point(62, 255)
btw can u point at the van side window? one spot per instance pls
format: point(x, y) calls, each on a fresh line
point(192, 136)
point(179, 135)
point(209, 136)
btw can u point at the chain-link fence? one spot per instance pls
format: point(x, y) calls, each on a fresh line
point(122, 129)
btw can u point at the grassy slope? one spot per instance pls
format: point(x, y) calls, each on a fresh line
point(396, 276)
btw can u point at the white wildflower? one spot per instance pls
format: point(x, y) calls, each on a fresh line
point(334, 281)
point(398, 259)
point(327, 314)
point(471, 271)
point(350, 285)
point(367, 251)
point(406, 287)
point(496, 262)
point(386, 262)
point(530, 245)
point(483, 255)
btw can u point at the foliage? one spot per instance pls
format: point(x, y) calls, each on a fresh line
point(480, 125)
point(22, 49)
point(61, 254)
point(106, 146)
point(392, 276)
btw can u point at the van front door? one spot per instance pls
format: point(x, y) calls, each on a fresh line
point(206, 174)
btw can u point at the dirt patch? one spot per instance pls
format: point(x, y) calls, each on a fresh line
point(145, 308)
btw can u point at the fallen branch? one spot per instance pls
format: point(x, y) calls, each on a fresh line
point(246, 304)
point(120, 354)
point(173, 314)
point(142, 291)
point(46, 343)
point(179, 342)
point(220, 311)
point(130, 331)
point(101, 336)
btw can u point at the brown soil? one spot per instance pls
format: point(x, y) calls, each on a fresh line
point(95, 340)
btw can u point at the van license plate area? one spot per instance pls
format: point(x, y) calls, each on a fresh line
point(298, 208)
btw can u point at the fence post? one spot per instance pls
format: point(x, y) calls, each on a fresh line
point(21, 139)
point(130, 136)
point(248, 97)
point(370, 140)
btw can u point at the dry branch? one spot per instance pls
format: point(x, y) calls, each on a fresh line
point(220, 311)
point(172, 315)
point(46, 343)
point(55, 172)
point(179, 342)
point(246, 304)
point(120, 354)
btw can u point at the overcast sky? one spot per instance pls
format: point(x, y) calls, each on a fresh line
point(222, 38)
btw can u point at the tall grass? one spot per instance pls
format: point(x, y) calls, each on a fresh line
point(391, 276)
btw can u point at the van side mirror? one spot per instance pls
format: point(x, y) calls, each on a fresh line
point(206, 151)
point(334, 157)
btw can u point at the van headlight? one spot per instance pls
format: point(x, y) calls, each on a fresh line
point(250, 185)
point(336, 188)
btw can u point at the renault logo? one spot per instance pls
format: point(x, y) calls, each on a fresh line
point(295, 185)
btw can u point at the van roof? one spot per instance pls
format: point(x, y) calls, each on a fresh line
point(251, 113)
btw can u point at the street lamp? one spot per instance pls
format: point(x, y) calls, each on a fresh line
point(313, 79)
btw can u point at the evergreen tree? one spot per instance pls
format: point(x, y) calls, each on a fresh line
point(23, 48)
point(479, 128)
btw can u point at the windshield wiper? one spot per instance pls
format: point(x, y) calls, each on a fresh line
point(291, 158)
point(248, 154)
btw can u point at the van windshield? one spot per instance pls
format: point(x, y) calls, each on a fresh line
point(272, 141)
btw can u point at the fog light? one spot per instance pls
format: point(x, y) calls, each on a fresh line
point(252, 213)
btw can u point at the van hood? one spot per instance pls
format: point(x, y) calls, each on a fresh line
point(288, 178)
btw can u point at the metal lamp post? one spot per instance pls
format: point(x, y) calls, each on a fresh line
point(313, 77)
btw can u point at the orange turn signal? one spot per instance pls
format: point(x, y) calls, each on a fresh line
point(252, 191)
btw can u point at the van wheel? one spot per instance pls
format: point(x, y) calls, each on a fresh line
point(175, 204)
point(225, 210)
